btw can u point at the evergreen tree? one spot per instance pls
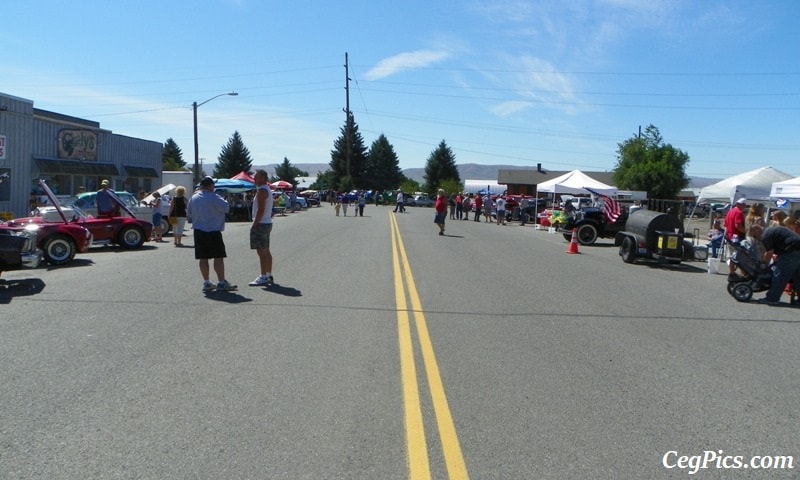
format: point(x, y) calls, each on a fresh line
point(233, 158)
point(646, 163)
point(287, 171)
point(441, 165)
point(383, 168)
point(171, 156)
point(350, 141)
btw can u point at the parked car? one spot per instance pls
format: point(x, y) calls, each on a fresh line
point(312, 197)
point(86, 203)
point(423, 201)
point(126, 231)
point(18, 249)
point(58, 237)
point(591, 224)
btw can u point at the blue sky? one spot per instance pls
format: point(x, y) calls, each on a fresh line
point(560, 83)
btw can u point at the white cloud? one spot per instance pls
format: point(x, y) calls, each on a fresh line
point(405, 61)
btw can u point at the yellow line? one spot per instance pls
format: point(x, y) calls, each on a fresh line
point(453, 457)
point(418, 464)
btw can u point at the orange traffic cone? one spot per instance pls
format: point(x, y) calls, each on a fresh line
point(573, 244)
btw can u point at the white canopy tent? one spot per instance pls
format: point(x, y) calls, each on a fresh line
point(476, 186)
point(787, 189)
point(753, 185)
point(575, 182)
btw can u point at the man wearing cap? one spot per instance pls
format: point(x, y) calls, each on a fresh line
point(105, 204)
point(734, 226)
point(207, 211)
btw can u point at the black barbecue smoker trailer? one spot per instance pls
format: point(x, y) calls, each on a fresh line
point(655, 236)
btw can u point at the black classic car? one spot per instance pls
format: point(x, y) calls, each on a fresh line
point(590, 224)
point(18, 249)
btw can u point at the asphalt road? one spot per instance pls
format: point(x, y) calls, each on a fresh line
point(385, 351)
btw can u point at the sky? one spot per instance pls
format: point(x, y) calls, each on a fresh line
point(510, 82)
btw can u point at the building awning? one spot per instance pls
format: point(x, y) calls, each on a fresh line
point(73, 167)
point(132, 171)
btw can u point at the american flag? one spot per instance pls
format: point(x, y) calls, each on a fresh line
point(611, 208)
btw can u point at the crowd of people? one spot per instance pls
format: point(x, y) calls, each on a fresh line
point(774, 243)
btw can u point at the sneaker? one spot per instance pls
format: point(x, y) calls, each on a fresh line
point(764, 301)
point(208, 286)
point(225, 286)
point(261, 281)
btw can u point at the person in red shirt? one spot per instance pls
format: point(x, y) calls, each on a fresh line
point(478, 207)
point(441, 210)
point(734, 225)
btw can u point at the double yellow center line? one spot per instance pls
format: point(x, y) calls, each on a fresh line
point(418, 462)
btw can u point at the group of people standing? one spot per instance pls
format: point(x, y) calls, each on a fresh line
point(776, 243)
point(208, 210)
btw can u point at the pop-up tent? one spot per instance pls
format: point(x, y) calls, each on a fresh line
point(753, 185)
point(575, 182)
point(788, 189)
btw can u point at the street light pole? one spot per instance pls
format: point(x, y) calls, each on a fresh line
point(196, 149)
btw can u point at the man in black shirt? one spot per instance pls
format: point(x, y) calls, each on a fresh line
point(786, 244)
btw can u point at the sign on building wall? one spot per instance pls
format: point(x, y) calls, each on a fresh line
point(2, 147)
point(77, 144)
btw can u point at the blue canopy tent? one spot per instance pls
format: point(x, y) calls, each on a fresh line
point(233, 186)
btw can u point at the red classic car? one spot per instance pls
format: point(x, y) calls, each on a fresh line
point(59, 240)
point(128, 232)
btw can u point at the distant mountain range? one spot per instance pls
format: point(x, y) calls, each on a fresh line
point(467, 171)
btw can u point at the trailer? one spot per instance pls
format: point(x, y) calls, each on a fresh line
point(655, 236)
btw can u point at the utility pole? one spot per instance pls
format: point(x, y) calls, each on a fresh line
point(348, 125)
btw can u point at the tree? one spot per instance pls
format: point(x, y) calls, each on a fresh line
point(233, 158)
point(382, 167)
point(349, 158)
point(646, 163)
point(286, 171)
point(172, 157)
point(441, 165)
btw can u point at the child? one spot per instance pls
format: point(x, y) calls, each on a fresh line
point(715, 236)
point(337, 207)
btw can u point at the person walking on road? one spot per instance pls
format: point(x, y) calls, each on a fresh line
point(399, 203)
point(261, 229)
point(207, 211)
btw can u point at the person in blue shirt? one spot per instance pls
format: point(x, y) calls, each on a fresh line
point(105, 203)
point(207, 211)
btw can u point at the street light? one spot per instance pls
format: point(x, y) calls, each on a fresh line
point(196, 152)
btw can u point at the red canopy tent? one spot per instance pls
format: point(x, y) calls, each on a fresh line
point(243, 176)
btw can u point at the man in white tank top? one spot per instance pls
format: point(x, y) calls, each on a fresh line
point(261, 229)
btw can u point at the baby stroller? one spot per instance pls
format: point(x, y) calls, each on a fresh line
point(757, 276)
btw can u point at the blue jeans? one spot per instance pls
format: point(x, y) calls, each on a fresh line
point(787, 267)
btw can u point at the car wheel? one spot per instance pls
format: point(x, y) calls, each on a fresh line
point(587, 234)
point(628, 250)
point(165, 226)
point(59, 249)
point(131, 237)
